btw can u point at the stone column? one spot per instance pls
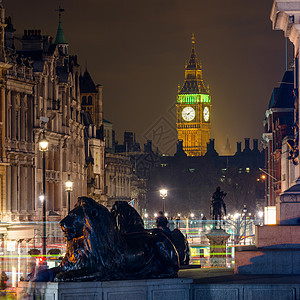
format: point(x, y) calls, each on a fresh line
point(51, 196)
point(23, 187)
point(13, 116)
point(30, 191)
point(217, 244)
point(14, 183)
point(23, 121)
point(8, 189)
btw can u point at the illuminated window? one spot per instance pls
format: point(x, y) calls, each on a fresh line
point(248, 170)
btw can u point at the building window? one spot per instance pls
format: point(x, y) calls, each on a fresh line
point(90, 100)
point(84, 100)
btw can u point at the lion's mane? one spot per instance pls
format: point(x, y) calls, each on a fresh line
point(97, 246)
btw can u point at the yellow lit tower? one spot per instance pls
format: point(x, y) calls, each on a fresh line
point(193, 109)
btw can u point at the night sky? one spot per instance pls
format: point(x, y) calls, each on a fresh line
point(137, 50)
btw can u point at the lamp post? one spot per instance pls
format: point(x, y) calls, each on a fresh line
point(43, 147)
point(163, 194)
point(245, 220)
point(69, 189)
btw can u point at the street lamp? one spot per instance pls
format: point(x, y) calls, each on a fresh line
point(69, 189)
point(163, 194)
point(43, 147)
point(245, 220)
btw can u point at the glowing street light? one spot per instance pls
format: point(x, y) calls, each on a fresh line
point(260, 214)
point(43, 143)
point(43, 147)
point(69, 189)
point(236, 216)
point(163, 194)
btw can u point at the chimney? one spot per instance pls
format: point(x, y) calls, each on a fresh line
point(148, 146)
point(238, 147)
point(180, 145)
point(247, 144)
point(32, 40)
point(255, 144)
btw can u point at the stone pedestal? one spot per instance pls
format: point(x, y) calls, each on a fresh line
point(150, 289)
point(277, 247)
point(217, 244)
point(288, 209)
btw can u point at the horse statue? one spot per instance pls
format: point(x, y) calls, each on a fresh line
point(99, 248)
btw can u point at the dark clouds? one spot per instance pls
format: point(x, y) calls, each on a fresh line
point(137, 49)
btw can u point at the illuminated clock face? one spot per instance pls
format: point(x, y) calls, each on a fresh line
point(188, 113)
point(206, 114)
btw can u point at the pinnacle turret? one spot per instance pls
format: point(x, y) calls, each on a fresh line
point(193, 75)
point(60, 37)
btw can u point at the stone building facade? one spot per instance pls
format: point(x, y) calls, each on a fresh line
point(41, 93)
point(118, 176)
point(92, 105)
point(278, 127)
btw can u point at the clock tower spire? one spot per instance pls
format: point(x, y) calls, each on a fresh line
point(193, 108)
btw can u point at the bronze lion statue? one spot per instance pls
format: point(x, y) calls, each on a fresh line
point(97, 250)
point(128, 220)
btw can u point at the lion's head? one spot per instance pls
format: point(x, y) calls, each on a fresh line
point(92, 240)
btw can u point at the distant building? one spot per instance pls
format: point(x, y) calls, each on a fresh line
point(193, 109)
point(191, 180)
point(118, 174)
point(227, 149)
point(92, 105)
point(128, 169)
point(109, 135)
point(278, 126)
point(91, 98)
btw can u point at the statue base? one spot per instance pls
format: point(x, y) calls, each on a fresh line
point(149, 289)
point(217, 244)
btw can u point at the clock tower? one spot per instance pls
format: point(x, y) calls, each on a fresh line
point(193, 109)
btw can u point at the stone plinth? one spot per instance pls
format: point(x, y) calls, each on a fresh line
point(268, 261)
point(277, 251)
point(246, 291)
point(288, 209)
point(150, 289)
point(217, 244)
point(269, 235)
point(277, 248)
